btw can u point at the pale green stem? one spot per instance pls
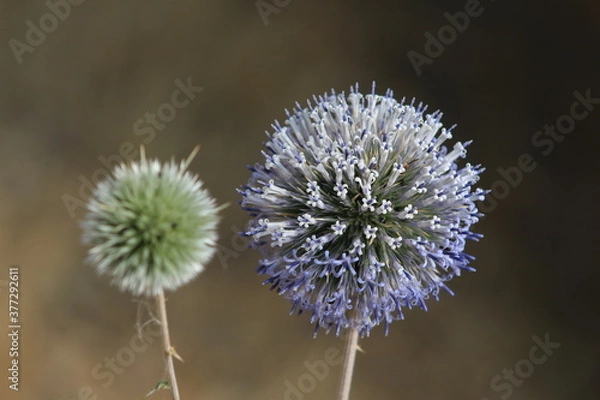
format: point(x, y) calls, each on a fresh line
point(348, 367)
point(169, 350)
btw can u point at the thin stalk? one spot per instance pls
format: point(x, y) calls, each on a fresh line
point(348, 367)
point(169, 350)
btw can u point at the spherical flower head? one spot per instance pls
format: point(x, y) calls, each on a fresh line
point(360, 210)
point(151, 226)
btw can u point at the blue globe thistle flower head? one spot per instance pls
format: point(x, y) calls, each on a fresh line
point(361, 210)
point(150, 226)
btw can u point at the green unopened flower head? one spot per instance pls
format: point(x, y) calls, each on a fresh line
point(150, 226)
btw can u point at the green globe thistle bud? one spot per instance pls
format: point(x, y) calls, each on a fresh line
point(151, 226)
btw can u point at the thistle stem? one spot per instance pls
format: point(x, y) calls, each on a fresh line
point(348, 367)
point(162, 316)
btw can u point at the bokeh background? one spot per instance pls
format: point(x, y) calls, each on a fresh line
point(77, 95)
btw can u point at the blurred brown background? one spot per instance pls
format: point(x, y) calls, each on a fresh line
point(76, 97)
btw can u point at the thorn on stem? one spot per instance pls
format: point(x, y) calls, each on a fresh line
point(161, 385)
point(174, 353)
